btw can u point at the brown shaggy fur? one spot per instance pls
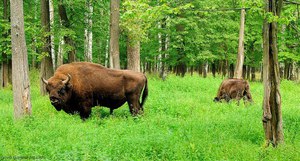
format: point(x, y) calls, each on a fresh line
point(77, 87)
point(234, 89)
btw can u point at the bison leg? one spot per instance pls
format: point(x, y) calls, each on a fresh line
point(85, 113)
point(134, 104)
point(111, 110)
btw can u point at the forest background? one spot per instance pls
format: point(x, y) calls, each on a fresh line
point(176, 36)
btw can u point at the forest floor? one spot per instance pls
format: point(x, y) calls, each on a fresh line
point(180, 122)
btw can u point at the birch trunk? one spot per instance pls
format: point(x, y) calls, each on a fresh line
point(240, 56)
point(60, 54)
point(88, 34)
point(51, 12)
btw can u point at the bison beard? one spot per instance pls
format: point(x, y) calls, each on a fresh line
point(234, 89)
point(77, 87)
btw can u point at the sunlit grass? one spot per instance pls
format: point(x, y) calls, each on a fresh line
point(181, 122)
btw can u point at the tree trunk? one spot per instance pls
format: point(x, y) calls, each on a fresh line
point(66, 23)
point(51, 12)
point(286, 70)
point(20, 71)
point(213, 69)
point(253, 74)
point(240, 56)
point(293, 71)
point(164, 47)
point(46, 63)
point(272, 117)
point(60, 54)
point(133, 54)
point(5, 62)
point(114, 33)
point(1, 75)
point(231, 71)
point(88, 34)
point(248, 72)
point(224, 68)
point(107, 58)
point(205, 69)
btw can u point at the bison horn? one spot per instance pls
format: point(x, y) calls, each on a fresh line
point(67, 80)
point(45, 81)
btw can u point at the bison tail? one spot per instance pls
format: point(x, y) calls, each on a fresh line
point(145, 93)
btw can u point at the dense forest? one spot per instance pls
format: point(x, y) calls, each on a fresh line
point(166, 41)
point(168, 36)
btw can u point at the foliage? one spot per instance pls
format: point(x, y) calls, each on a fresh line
point(196, 31)
point(181, 122)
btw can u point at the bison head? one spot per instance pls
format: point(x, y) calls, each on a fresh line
point(59, 89)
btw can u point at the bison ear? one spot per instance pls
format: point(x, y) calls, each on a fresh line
point(67, 80)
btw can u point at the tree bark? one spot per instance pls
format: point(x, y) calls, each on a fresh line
point(164, 47)
point(114, 33)
point(88, 33)
point(5, 62)
point(60, 54)
point(240, 56)
point(231, 71)
point(46, 63)
point(133, 54)
point(272, 117)
point(20, 71)
point(213, 69)
point(205, 69)
point(252, 73)
point(66, 23)
point(51, 12)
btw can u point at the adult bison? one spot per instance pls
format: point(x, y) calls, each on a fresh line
point(234, 89)
point(77, 87)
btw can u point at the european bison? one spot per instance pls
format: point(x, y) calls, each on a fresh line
point(234, 89)
point(77, 87)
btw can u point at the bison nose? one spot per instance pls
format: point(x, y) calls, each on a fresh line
point(53, 100)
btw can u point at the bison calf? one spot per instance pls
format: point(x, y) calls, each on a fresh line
point(77, 87)
point(234, 89)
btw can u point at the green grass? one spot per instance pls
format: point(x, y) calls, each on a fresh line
point(181, 122)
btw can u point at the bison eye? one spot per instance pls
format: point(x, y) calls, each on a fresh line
point(62, 91)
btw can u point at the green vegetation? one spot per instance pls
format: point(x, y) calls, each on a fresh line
point(181, 122)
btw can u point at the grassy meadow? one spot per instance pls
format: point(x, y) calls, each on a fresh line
point(181, 122)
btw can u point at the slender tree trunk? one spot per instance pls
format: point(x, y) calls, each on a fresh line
point(88, 34)
point(66, 23)
point(164, 47)
point(46, 63)
point(231, 71)
point(20, 71)
point(240, 56)
point(293, 71)
point(205, 69)
point(60, 54)
point(253, 73)
point(107, 58)
point(51, 12)
point(224, 68)
point(5, 62)
point(133, 54)
point(1, 75)
point(114, 33)
point(272, 117)
point(213, 69)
